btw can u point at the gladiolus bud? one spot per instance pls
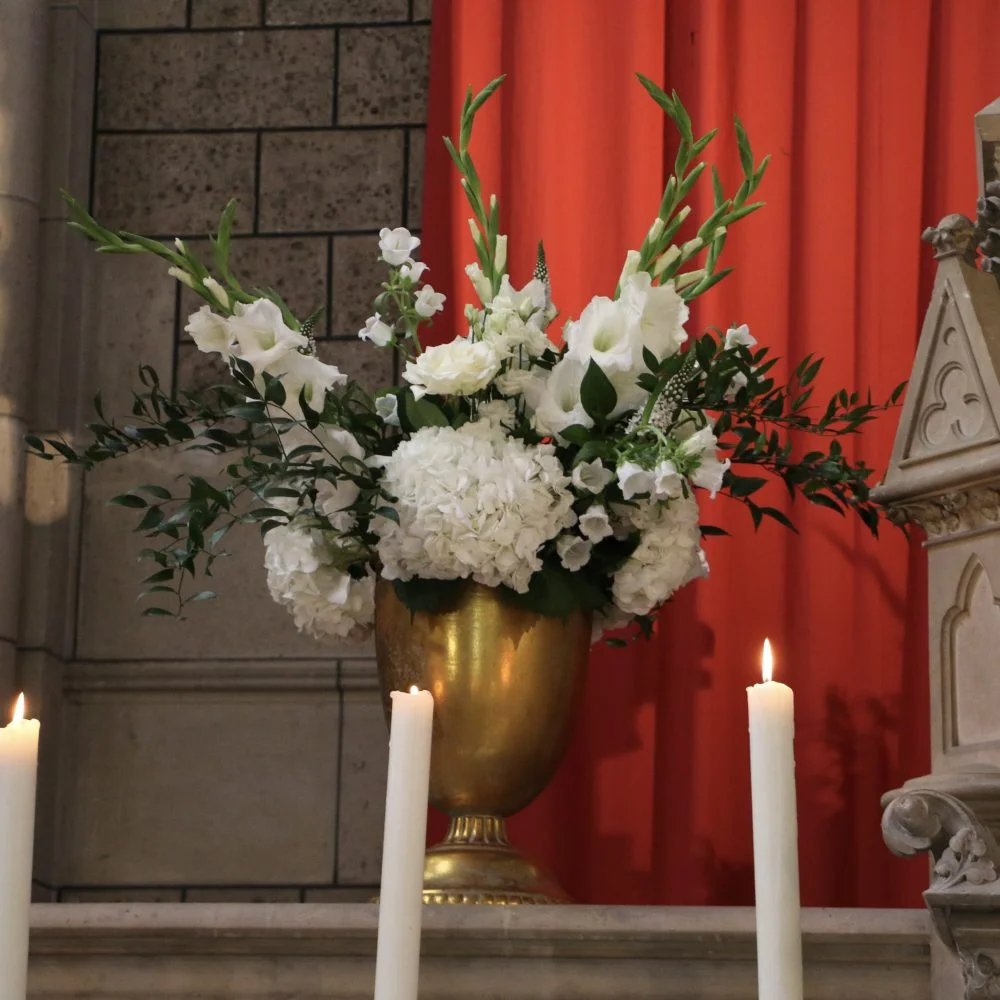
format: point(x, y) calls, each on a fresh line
point(655, 230)
point(692, 246)
point(688, 278)
point(500, 259)
point(665, 259)
point(181, 276)
point(220, 294)
point(630, 267)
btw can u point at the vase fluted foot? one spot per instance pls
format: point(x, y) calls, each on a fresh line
point(476, 863)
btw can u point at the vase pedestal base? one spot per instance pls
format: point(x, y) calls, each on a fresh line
point(475, 863)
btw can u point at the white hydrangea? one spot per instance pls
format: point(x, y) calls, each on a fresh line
point(472, 502)
point(669, 555)
point(324, 601)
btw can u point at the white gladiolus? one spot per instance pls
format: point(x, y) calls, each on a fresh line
point(218, 292)
point(630, 266)
point(209, 331)
point(500, 258)
point(559, 405)
point(480, 283)
point(262, 334)
point(181, 275)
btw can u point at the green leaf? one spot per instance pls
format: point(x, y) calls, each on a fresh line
point(576, 434)
point(743, 486)
point(202, 595)
point(615, 643)
point(162, 576)
point(157, 613)
point(777, 515)
point(597, 394)
point(390, 513)
point(157, 491)
point(129, 500)
point(429, 596)
point(418, 413)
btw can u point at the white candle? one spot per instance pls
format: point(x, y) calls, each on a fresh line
point(775, 837)
point(18, 765)
point(397, 965)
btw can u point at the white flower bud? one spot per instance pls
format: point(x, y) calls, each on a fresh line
point(683, 213)
point(692, 246)
point(480, 283)
point(630, 267)
point(476, 235)
point(665, 259)
point(500, 259)
point(688, 278)
point(656, 230)
point(220, 294)
point(181, 275)
point(179, 243)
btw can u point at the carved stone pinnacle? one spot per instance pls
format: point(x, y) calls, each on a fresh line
point(954, 236)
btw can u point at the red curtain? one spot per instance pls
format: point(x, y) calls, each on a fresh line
point(866, 108)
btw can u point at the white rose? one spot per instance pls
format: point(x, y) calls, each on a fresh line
point(592, 476)
point(480, 283)
point(397, 245)
point(666, 481)
point(710, 470)
point(209, 331)
point(387, 408)
point(594, 523)
point(660, 312)
point(458, 368)
point(412, 270)
point(263, 336)
point(559, 405)
point(605, 333)
point(634, 479)
point(574, 552)
point(428, 302)
point(379, 333)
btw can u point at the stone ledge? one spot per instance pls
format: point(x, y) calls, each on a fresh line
point(313, 950)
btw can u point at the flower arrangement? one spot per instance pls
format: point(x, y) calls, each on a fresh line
point(568, 474)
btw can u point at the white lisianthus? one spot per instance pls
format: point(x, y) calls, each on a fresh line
point(428, 302)
point(472, 502)
point(511, 335)
point(218, 292)
point(397, 245)
point(458, 368)
point(660, 313)
point(592, 476)
point(634, 480)
point(387, 408)
point(480, 283)
point(303, 576)
point(668, 556)
point(376, 331)
point(667, 481)
point(573, 552)
point(559, 405)
point(263, 336)
point(412, 270)
point(710, 470)
point(209, 331)
point(604, 333)
point(594, 524)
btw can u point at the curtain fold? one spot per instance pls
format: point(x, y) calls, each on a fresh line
point(866, 109)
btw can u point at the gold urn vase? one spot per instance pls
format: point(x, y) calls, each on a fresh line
point(507, 684)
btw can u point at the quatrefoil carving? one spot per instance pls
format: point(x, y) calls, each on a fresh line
point(956, 410)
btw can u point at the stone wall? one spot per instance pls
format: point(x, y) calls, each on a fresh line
point(227, 756)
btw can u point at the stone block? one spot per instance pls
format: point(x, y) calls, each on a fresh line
point(125, 894)
point(174, 184)
point(197, 370)
point(322, 181)
point(237, 895)
point(225, 13)
point(371, 366)
point(421, 10)
point(357, 278)
point(18, 277)
point(342, 894)
point(22, 84)
point(205, 773)
point(217, 80)
point(364, 761)
point(296, 267)
point(130, 15)
point(135, 306)
point(415, 179)
point(65, 303)
point(69, 110)
point(334, 11)
point(12, 431)
point(241, 623)
point(382, 77)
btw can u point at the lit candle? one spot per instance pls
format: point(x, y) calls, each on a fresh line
point(397, 965)
point(775, 837)
point(18, 764)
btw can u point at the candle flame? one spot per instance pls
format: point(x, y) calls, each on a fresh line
point(766, 661)
point(414, 689)
point(19, 708)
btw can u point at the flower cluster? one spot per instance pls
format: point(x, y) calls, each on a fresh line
point(561, 465)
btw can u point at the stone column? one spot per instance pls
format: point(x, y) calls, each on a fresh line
point(23, 44)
